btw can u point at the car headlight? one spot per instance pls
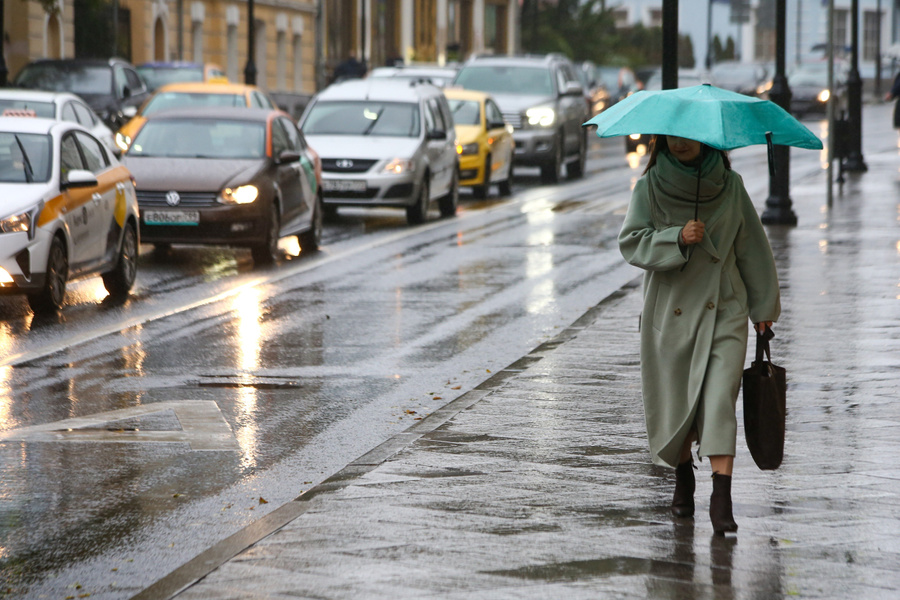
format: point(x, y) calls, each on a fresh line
point(123, 141)
point(823, 96)
point(542, 116)
point(399, 166)
point(465, 149)
point(23, 222)
point(244, 194)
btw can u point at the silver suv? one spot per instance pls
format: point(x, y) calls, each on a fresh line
point(542, 98)
point(385, 142)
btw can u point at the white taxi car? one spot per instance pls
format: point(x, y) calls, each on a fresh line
point(68, 210)
point(62, 106)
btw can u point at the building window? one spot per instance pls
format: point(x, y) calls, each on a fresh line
point(197, 41)
point(620, 16)
point(298, 63)
point(871, 25)
point(261, 67)
point(655, 17)
point(840, 31)
point(232, 69)
point(281, 61)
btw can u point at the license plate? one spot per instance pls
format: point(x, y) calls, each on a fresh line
point(172, 217)
point(343, 185)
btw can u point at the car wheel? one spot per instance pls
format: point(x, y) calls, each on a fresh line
point(330, 212)
point(51, 296)
point(550, 171)
point(575, 169)
point(118, 282)
point(506, 185)
point(311, 239)
point(450, 201)
point(266, 252)
point(416, 213)
point(482, 191)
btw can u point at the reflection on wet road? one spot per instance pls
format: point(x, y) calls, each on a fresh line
point(310, 364)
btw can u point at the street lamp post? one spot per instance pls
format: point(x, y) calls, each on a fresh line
point(854, 160)
point(778, 205)
point(4, 70)
point(670, 44)
point(250, 69)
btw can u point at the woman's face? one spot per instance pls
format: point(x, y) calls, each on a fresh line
point(683, 149)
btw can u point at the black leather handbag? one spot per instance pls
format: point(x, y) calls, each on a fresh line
point(765, 406)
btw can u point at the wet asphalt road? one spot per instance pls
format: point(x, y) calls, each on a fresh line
point(292, 372)
point(289, 372)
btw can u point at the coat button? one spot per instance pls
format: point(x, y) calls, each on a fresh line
point(677, 312)
point(710, 305)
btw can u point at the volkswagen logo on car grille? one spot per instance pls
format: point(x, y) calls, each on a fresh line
point(172, 198)
point(344, 163)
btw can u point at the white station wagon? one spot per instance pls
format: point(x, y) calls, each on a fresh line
point(68, 210)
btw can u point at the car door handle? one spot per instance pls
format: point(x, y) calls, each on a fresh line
point(96, 198)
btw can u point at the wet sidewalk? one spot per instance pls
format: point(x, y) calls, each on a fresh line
point(538, 484)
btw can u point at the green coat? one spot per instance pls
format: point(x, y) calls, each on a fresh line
point(694, 322)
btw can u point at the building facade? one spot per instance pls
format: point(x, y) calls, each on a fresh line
point(298, 42)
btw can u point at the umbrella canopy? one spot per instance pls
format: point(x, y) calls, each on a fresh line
point(719, 118)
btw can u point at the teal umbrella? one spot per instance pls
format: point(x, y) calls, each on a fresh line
point(719, 118)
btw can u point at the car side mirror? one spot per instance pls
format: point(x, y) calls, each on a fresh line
point(288, 156)
point(573, 88)
point(79, 178)
point(126, 92)
point(436, 134)
point(496, 124)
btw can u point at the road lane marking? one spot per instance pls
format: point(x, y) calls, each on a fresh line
point(201, 421)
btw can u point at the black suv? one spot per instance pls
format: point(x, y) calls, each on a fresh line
point(542, 98)
point(111, 87)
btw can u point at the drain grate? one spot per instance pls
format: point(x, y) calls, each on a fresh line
point(248, 381)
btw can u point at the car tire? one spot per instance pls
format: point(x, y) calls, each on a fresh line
point(506, 185)
point(119, 281)
point(417, 213)
point(550, 171)
point(450, 201)
point(51, 296)
point(576, 168)
point(329, 212)
point(483, 191)
point(266, 252)
point(311, 239)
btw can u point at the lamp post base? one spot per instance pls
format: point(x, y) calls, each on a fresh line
point(855, 163)
point(778, 212)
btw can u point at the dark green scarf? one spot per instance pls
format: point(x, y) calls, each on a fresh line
point(673, 189)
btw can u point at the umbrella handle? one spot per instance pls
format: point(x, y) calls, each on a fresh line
point(771, 150)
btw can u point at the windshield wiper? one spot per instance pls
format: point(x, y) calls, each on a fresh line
point(374, 122)
point(29, 172)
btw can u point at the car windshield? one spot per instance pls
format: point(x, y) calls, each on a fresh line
point(393, 119)
point(200, 138)
point(810, 75)
point(24, 158)
point(166, 100)
point(78, 79)
point(500, 79)
point(465, 112)
point(10, 107)
point(160, 76)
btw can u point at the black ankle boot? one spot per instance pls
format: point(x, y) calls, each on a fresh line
point(683, 498)
point(720, 505)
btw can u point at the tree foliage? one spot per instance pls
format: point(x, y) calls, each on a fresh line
point(586, 30)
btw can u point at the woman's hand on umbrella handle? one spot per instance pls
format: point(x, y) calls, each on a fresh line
point(762, 326)
point(692, 233)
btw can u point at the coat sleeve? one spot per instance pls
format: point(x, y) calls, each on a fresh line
point(641, 243)
point(756, 264)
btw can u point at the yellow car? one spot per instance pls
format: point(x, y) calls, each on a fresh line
point(484, 142)
point(189, 95)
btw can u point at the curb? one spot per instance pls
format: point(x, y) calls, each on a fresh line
point(207, 561)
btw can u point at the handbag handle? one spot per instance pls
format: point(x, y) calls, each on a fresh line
point(762, 344)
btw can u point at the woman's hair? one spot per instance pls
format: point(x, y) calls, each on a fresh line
point(659, 144)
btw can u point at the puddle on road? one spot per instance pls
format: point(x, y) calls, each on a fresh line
point(602, 567)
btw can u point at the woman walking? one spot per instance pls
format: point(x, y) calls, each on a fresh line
point(708, 267)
